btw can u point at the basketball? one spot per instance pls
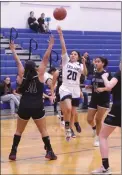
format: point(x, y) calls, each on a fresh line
point(60, 13)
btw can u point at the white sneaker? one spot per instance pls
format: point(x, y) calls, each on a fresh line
point(94, 133)
point(101, 171)
point(68, 134)
point(58, 116)
point(96, 141)
point(63, 123)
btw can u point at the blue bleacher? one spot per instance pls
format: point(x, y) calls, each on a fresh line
point(107, 44)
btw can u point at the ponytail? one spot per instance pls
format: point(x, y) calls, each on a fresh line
point(28, 76)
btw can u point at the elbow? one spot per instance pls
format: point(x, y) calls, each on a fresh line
point(108, 88)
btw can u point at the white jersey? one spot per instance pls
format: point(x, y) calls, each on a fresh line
point(46, 76)
point(71, 71)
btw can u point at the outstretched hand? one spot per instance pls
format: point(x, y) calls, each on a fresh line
point(83, 60)
point(12, 46)
point(59, 30)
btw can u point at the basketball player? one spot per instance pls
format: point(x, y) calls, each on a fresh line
point(100, 98)
point(70, 88)
point(31, 103)
point(57, 77)
point(112, 120)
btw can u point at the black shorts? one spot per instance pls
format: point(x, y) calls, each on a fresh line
point(114, 116)
point(75, 101)
point(27, 113)
point(94, 103)
point(57, 98)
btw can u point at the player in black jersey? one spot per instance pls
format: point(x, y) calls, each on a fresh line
point(112, 120)
point(31, 103)
point(100, 98)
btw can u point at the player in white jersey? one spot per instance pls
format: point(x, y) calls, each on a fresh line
point(70, 88)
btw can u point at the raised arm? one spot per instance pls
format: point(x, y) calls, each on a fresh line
point(64, 50)
point(44, 62)
point(18, 62)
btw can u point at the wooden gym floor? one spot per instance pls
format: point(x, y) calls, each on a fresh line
point(76, 157)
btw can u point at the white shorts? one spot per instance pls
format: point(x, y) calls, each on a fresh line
point(65, 91)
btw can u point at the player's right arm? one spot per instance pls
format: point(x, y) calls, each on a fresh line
point(18, 62)
point(44, 62)
point(65, 57)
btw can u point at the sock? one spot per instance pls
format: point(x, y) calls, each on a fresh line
point(16, 141)
point(62, 118)
point(105, 163)
point(76, 123)
point(46, 141)
point(67, 124)
point(94, 128)
point(61, 113)
point(55, 106)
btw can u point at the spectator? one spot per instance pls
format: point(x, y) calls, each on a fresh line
point(47, 91)
point(15, 87)
point(47, 95)
point(42, 25)
point(52, 70)
point(85, 94)
point(7, 96)
point(33, 23)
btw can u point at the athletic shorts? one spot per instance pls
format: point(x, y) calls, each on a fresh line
point(114, 116)
point(72, 93)
point(34, 113)
point(94, 103)
point(57, 97)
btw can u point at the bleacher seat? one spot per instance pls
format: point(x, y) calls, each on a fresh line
point(107, 44)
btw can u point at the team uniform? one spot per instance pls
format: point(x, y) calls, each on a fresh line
point(31, 103)
point(101, 99)
point(114, 116)
point(71, 73)
point(59, 83)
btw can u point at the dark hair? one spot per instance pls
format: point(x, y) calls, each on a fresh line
point(52, 69)
point(47, 80)
point(29, 73)
point(31, 12)
point(104, 60)
point(79, 55)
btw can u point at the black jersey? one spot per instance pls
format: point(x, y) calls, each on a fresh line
point(116, 91)
point(59, 81)
point(32, 97)
point(97, 82)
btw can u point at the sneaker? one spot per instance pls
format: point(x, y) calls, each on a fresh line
point(12, 155)
point(58, 116)
point(96, 141)
point(50, 155)
point(101, 171)
point(68, 134)
point(84, 107)
point(63, 123)
point(73, 134)
point(94, 133)
point(78, 128)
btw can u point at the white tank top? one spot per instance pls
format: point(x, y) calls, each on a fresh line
point(71, 72)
